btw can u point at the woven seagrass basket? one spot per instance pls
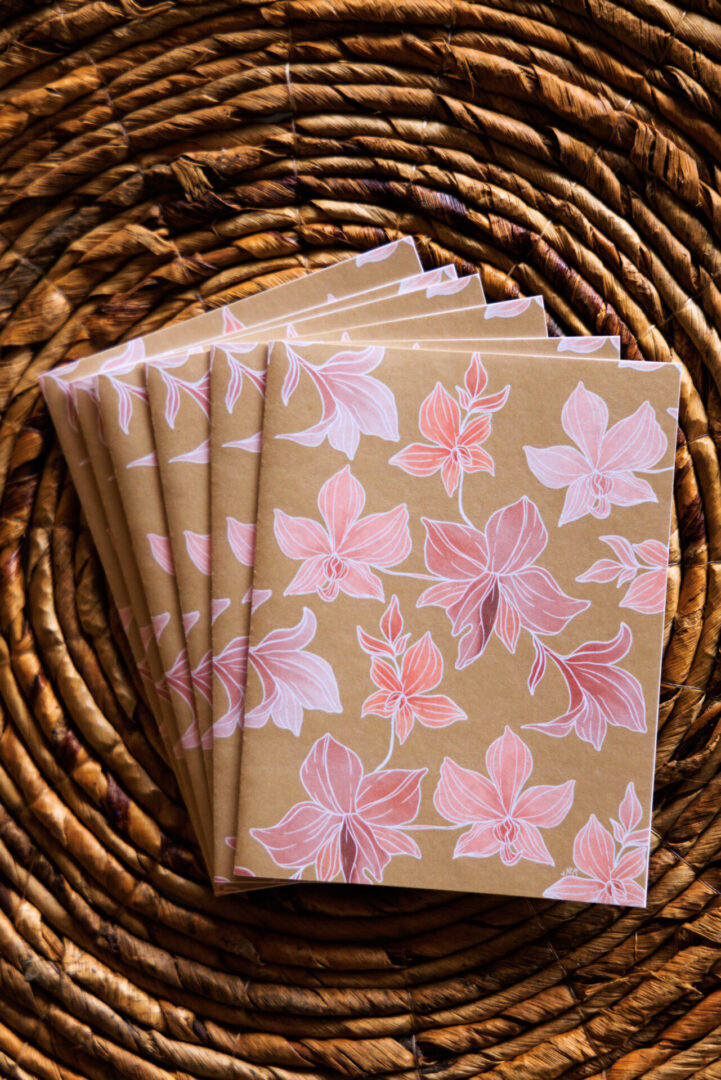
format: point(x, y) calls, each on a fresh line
point(162, 158)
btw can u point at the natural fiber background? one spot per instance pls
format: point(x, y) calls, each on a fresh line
point(158, 158)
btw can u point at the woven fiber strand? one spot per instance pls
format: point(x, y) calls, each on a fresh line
point(161, 159)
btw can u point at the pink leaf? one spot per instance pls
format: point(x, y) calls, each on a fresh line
point(198, 546)
point(162, 552)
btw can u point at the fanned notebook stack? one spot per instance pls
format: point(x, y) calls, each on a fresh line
point(392, 566)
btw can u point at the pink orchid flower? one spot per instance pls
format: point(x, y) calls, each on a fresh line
point(455, 441)
point(647, 593)
point(352, 401)
point(403, 692)
point(601, 472)
point(488, 582)
point(291, 678)
point(599, 693)
point(505, 820)
point(339, 557)
point(609, 876)
point(352, 824)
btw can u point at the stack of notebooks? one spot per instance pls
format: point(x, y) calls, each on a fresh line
point(391, 564)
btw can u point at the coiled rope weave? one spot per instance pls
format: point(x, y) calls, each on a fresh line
point(160, 158)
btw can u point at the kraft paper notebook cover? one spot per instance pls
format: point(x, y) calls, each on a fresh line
point(451, 686)
point(234, 448)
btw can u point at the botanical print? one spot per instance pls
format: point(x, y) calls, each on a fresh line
point(600, 473)
point(340, 555)
point(455, 430)
point(352, 401)
point(405, 676)
point(292, 678)
point(199, 455)
point(162, 552)
point(424, 695)
point(599, 692)
point(198, 390)
point(198, 546)
point(645, 565)
point(504, 819)
point(607, 874)
point(238, 372)
point(241, 538)
point(352, 823)
point(488, 581)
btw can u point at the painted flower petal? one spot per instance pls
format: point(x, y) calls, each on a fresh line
point(418, 459)
point(241, 538)
point(579, 501)
point(300, 537)
point(585, 419)
point(542, 605)
point(647, 594)
point(422, 666)
point(464, 796)
point(391, 797)
point(454, 551)
point(331, 774)
point(341, 501)
point(478, 843)
point(530, 844)
point(298, 836)
point(515, 536)
point(630, 810)
point(359, 580)
point(629, 490)
point(577, 889)
point(653, 553)
point(556, 466)
point(198, 546)
point(440, 417)
point(636, 442)
point(509, 763)
point(545, 805)
point(379, 539)
point(436, 710)
point(593, 850)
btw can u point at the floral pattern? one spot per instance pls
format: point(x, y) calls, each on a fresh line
point(488, 581)
point(341, 556)
point(198, 546)
point(600, 694)
point(600, 471)
point(504, 819)
point(644, 565)
point(454, 437)
point(352, 823)
point(352, 401)
point(607, 875)
point(405, 677)
point(292, 679)
point(487, 572)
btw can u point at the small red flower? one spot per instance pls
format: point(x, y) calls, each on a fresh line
point(403, 693)
point(454, 441)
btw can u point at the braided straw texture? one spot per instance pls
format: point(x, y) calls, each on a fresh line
point(160, 158)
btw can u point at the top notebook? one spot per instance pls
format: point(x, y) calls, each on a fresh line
point(446, 686)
